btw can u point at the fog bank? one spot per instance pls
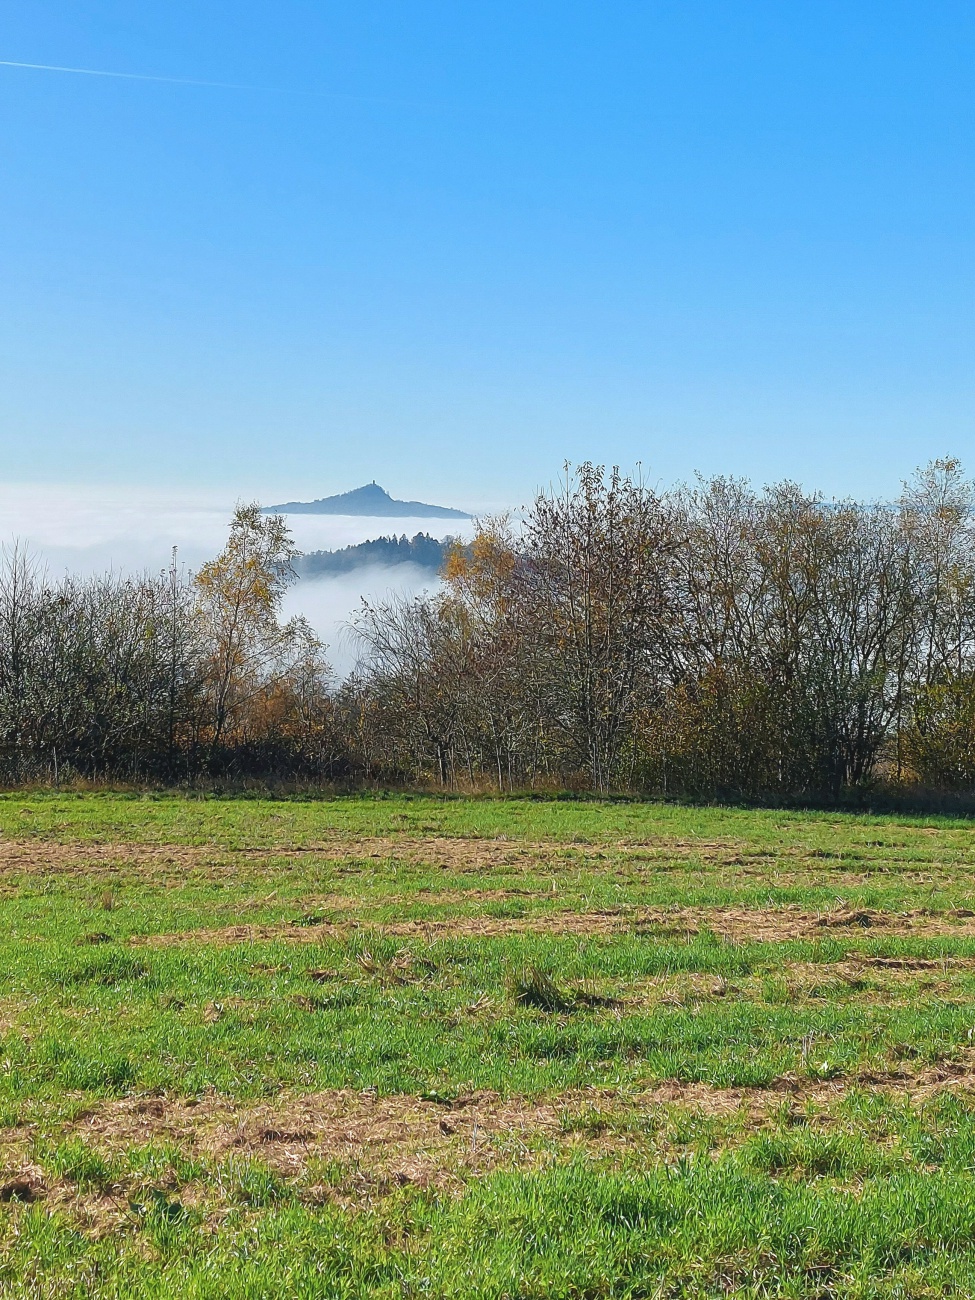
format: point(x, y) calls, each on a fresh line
point(90, 530)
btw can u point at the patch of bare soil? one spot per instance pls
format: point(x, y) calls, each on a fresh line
point(585, 923)
point(26, 857)
point(857, 970)
point(352, 1148)
point(784, 923)
point(760, 1104)
point(454, 853)
point(365, 1145)
point(734, 925)
point(377, 1142)
point(471, 854)
point(458, 855)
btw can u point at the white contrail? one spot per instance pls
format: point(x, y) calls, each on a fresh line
point(129, 76)
point(217, 85)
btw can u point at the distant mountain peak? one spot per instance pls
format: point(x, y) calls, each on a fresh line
point(370, 499)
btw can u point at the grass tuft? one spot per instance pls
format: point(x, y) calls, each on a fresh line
point(534, 987)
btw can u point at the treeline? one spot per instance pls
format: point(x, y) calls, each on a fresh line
point(712, 640)
point(422, 550)
point(162, 677)
point(707, 641)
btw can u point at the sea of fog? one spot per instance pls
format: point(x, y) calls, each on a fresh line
point(91, 530)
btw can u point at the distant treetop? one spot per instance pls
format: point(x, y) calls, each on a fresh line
point(424, 551)
point(370, 499)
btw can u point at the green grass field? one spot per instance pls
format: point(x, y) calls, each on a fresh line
point(405, 1047)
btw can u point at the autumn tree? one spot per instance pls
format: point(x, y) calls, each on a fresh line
point(239, 595)
point(502, 709)
point(598, 556)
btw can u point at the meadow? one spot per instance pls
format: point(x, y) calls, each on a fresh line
point(413, 1046)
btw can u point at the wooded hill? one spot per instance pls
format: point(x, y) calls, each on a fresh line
point(422, 550)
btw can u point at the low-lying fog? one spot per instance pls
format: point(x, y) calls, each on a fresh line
point(91, 530)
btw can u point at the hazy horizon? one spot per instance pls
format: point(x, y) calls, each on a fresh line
point(86, 531)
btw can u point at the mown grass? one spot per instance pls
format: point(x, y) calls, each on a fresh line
point(240, 822)
point(698, 1229)
point(250, 1019)
point(781, 1115)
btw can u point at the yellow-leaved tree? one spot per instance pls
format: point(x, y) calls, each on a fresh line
point(239, 595)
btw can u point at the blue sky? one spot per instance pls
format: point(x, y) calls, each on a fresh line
point(449, 245)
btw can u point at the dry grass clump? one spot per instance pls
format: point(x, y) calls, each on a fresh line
point(533, 987)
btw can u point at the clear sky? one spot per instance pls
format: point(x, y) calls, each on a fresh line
point(448, 245)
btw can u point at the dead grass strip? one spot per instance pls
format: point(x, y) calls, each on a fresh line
point(734, 925)
point(374, 1144)
point(456, 854)
point(366, 1128)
